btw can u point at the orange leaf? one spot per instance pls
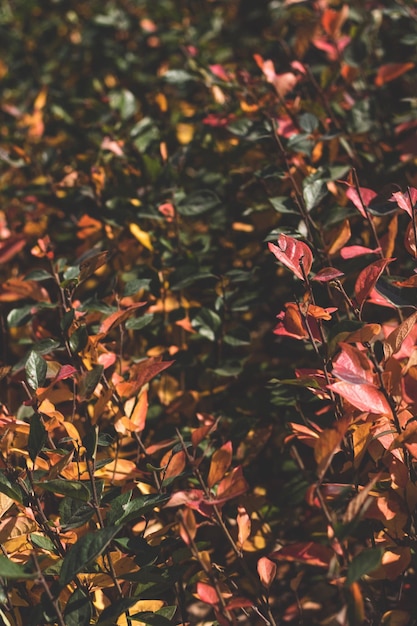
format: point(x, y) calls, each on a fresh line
point(243, 524)
point(390, 71)
point(220, 463)
point(188, 526)
point(176, 465)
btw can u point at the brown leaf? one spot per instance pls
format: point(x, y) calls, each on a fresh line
point(243, 524)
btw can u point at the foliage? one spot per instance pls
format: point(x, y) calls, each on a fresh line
point(160, 462)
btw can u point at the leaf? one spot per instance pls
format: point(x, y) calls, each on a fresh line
point(367, 280)
point(8, 489)
point(87, 549)
point(198, 202)
point(89, 381)
point(13, 571)
point(244, 525)
point(91, 264)
point(35, 369)
point(362, 200)
point(220, 463)
point(395, 339)
point(109, 616)
point(391, 71)
point(117, 318)
point(327, 274)
point(292, 253)
point(328, 444)
point(137, 507)
point(351, 252)
point(309, 553)
point(70, 488)
point(314, 193)
point(206, 593)
point(365, 562)
point(37, 436)
point(78, 610)
point(142, 236)
point(365, 397)
point(352, 365)
point(267, 571)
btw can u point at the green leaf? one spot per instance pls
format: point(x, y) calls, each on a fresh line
point(14, 571)
point(35, 369)
point(139, 506)
point(89, 382)
point(109, 616)
point(314, 193)
point(79, 609)
point(8, 489)
point(71, 488)
point(365, 562)
point(43, 542)
point(301, 143)
point(19, 317)
point(78, 339)
point(73, 514)
point(198, 202)
point(87, 549)
point(308, 122)
point(207, 323)
point(38, 275)
point(139, 322)
point(37, 436)
point(153, 619)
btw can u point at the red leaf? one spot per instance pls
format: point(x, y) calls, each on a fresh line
point(267, 570)
point(352, 366)
point(293, 253)
point(390, 71)
point(65, 372)
point(327, 274)
point(309, 553)
point(364, 397)
point(238, 603)
point(365, 194)
point(367, 280)
point(350, 252)
point(207, 593)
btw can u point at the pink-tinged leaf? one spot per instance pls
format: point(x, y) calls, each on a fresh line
point(206, 593)
point(117, 318)
point(309, 553)
point(327, 274)
point(364, 397)
point(352, 366)
point(367, 280)
point(180, 498)
point(219, 71)
point(409, 282)
point(391, 71)
point(403, 200)
point(350, 252)
point(267, 571)
point(293, 254)
point(367, 195)
point(220, 463)
point(66, 371)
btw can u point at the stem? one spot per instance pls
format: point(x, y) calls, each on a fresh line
point(54, 601)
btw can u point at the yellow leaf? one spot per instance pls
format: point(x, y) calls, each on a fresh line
point(139, 607)
point(141, 236)
point(185, 133)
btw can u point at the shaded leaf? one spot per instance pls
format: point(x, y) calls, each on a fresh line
point(365, 562)
point(220, 463)
point(78, 610)
point(13, 571)
point(87, 549)
point(367, 280)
